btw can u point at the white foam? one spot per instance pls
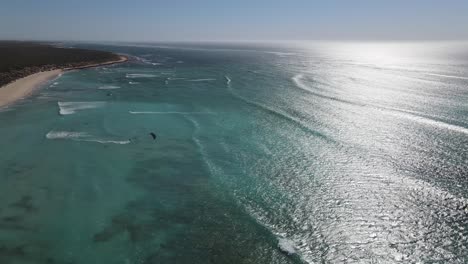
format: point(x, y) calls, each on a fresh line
point(82, 136)
point(173, 79)
point(103, 141)
point(202, 80)
point(139, 75)
point(287, 246)
point(156, 63)
point(68, 108)
point(133, 83)
point(65, 135)
point(228, 80)
point(143, 60)
point(108, 87)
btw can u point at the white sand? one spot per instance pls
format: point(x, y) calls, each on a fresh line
point(25, 86)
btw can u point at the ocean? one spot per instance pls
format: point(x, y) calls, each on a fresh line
point(262, 153)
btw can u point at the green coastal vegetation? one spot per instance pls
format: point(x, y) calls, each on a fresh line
point(20, 59)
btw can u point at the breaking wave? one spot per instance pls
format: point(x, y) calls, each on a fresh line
point(286, 246)
point(68, 108)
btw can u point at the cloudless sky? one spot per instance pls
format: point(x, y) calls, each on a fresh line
point(223, 20)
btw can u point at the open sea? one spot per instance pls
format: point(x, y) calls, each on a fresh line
point(264, 153)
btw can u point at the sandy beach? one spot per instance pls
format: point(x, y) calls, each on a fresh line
point(25, 86)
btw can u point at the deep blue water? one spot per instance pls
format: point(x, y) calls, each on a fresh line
point(335, 152)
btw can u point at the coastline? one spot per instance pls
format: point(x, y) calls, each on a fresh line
point(121, 60)
point(25, 86)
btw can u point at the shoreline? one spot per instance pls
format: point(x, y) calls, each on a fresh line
point(23, 87)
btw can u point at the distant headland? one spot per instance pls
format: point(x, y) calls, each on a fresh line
point(25, 65)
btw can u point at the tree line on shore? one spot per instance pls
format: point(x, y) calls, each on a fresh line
point(20, 59)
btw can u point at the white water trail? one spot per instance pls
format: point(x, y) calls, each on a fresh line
point(202, 80)
point(82, 136)
point(109, 87)
point(210, 165)
point(287, 246)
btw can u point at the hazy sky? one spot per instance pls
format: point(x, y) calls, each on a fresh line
point(157, 20)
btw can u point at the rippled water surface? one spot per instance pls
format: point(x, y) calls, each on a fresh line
point(310, 153)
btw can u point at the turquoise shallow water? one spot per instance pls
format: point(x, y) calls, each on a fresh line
point(336, 153)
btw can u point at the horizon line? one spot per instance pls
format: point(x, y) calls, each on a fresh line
point(241, 40)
